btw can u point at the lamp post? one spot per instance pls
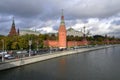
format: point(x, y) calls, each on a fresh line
point(84, 33)
point(3, 51)
point(74, 44)
point(30, 43)
point(50, 49)
point(37, 45)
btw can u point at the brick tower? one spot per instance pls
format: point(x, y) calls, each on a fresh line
point(13, 29)
point(62, 33)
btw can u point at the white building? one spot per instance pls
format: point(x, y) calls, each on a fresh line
point(24, 32)
point(72, 32)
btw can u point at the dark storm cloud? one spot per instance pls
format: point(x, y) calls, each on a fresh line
point(3, 20)
point(39, 13)
point(51, 8)
point(23, 8)
point(30, 8)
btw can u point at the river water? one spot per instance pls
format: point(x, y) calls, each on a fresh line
point(101, 64)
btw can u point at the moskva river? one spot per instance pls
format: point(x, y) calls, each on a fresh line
point(101, 64)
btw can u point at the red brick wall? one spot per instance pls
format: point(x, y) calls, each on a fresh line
point(51, 43)
point(76, 43)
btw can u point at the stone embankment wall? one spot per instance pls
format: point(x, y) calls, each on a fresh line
point(28, 60)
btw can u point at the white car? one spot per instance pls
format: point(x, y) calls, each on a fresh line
point(8, 56)
point(19, 52)
point(1, 53)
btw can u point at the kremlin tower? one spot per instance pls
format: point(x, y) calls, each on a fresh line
point(62, 33)
point(13, 31)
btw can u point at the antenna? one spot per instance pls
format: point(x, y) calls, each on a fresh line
point(62, 12)
point(13, 19)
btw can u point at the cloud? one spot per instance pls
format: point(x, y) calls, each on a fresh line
point(94, 8)
point(45, 8)
point(100, 16)
point(101, 26)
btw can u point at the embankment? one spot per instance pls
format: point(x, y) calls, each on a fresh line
point(28, 60)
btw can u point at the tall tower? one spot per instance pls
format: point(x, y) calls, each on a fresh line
point(62, 33)
point(13, 29)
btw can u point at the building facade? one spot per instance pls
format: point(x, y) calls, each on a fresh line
point(72, 32)
point(24, 32)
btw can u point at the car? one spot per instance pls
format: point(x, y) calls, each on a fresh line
point(4, 52)
point(8, 56)
point(19, 52)
point(1, 53)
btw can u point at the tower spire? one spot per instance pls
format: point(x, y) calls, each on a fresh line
point(13, 22)
point(62, 19)
point(13, 29)
point(62, 12)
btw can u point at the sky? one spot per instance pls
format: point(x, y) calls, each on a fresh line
point(99, 16)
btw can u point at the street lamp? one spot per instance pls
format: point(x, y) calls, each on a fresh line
point(84, 33)
point(3, 44)
point(50, 49)
point(30, 43)
point(3, 51)
point(74, 44)
point(37, 45)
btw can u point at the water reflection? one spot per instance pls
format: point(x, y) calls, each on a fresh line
point(62, 69)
